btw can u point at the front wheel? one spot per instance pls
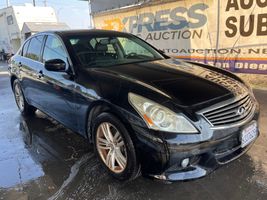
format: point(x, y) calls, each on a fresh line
point(22, 104)
point(114, 147)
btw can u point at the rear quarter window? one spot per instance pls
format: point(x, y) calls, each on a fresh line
point(25, 48)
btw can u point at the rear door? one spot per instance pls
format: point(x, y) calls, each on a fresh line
point(30, 66)
point(35, 69)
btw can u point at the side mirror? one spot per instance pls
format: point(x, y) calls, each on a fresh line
point(56, 65)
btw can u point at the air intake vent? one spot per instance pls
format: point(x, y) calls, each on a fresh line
point(230, 113)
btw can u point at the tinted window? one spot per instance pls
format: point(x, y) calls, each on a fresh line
point(25, 47)
point(94, 51)
point(34, 49)
point(54, 49)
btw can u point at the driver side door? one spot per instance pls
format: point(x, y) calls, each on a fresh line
point(59, 96)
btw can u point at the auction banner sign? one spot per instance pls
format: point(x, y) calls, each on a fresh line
point(230, 34)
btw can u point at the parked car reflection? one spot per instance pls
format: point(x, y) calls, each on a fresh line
point(52, 147)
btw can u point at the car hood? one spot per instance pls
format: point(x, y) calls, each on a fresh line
point(186, 83)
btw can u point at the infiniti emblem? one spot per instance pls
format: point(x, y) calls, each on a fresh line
point(241, 110)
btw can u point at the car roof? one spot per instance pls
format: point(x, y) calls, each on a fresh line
point(78, 32)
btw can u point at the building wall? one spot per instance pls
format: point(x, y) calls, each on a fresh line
point(228, 34)
point(34, 14)
point(6, 30)
point(10, 34)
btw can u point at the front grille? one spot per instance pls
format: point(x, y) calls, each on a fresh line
point(230, 113)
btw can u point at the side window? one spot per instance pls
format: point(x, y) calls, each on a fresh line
point(34, 48)
point(25, 48)
point(54, 49)
point(10, 20)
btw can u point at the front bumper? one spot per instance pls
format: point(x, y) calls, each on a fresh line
point(161, 157)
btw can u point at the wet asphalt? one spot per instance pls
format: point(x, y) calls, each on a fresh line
point(40, 159)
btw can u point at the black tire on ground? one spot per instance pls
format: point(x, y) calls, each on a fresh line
point(26, 109)
point(132, 168)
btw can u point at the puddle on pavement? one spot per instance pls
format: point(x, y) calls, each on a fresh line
point(70, 171)
point(40, 159)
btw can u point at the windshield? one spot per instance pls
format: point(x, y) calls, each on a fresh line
point(94, 51)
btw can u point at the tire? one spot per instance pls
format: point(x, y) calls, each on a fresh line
point(131, 168)
point(23, 106)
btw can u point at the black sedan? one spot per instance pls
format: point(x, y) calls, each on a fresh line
point(143, 111)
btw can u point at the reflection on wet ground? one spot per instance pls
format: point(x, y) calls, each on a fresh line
point(40, 159)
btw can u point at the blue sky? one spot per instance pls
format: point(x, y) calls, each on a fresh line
point(75, 13)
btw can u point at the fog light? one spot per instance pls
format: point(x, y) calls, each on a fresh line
point(185, 162)
point(161, 177)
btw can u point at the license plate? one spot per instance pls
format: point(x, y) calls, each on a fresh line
point(249, 134)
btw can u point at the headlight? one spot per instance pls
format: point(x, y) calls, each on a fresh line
point(158, 117)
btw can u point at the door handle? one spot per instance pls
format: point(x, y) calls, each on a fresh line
point(40, 74)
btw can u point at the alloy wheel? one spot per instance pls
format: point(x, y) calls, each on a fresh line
point(19, 97)
point(111, 147)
